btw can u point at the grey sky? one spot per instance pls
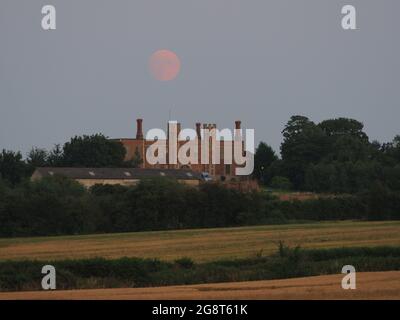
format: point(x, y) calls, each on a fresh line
point(256, 60)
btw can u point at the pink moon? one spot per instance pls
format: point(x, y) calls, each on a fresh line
point(164, 65)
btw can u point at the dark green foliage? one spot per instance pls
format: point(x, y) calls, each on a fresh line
point(343, 127)
point(56, 206)
point(59, 206)
point(263, 159)
point(37, 157)
point(350, 177)
point(55, 157)
point(93, 151)
point(281, 183)
point(135, 272)
point(185, 263)
point(12, 168)
point(48, 207)
point(335, 156)
point(304, 143)
point(83, 151)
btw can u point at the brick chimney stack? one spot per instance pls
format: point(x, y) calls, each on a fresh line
point(198, 130)
point(139, 133)
point(238, 125)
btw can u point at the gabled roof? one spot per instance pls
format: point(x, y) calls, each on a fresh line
point(117, 173)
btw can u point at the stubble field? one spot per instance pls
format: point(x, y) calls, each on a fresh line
point(370, 285)
point(204, 245)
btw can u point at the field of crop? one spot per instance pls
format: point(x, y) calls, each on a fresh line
point(370, 285)
point(204, 245)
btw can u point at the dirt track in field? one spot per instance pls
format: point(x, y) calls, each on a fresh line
point(204, 244)
point(370, 285)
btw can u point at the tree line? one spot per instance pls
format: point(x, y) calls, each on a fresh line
point(88, 151)
point(332, 156)
point(60, 206)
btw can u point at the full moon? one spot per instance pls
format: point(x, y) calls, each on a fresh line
point(164, 65)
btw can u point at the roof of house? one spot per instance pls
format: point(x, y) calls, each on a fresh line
point(118, 173)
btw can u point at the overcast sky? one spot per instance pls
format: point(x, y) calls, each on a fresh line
point(256, 60)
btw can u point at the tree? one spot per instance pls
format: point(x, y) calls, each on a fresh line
point(303, 140)
point(281, 183)
point(322, 177)
point(56, 156)
point(394, 151)
point(263, 158)
point(396, 141)
point(93, 151)
point(350, 148)
point(347, 140)
point(304, 143)
point(344, 126)
point(12, 168)
point(37, 157)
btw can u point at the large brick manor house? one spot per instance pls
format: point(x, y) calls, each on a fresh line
point(137, 147)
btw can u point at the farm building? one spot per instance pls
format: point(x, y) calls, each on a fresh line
point(123, 176)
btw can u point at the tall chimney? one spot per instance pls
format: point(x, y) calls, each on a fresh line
point(198, 130)
point(139, 133)
point(238, 125)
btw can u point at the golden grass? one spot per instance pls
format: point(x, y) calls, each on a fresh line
point(371, 285)
point(206, 244)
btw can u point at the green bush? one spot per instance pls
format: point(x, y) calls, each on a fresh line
point(281, 183)
point(185, 263)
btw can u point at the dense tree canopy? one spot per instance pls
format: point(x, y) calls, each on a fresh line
point(344, 127)
point(332, 156)
point(82, 151)
point(12, 168)
point(93, 151)
point(37, 157)
point(263, 159)
point(304, 143)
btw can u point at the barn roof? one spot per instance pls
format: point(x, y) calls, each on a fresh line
point(117, 173)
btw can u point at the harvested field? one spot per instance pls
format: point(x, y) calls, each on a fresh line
point(204, 244)
point(371, 285)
